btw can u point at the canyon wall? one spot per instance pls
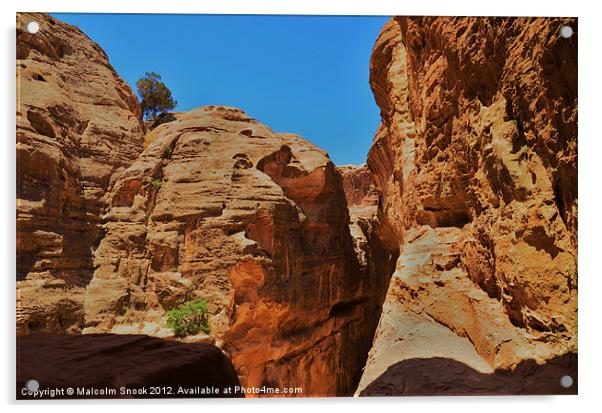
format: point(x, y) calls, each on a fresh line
point(475, 165)
point(77, 124)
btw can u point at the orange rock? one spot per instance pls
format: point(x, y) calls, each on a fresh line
point(475, 162)
point(358, 185)
point(77, 123)
point(220, 207)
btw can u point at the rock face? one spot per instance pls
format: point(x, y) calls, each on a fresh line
point(77, 123)
point(358, 186)
point(217, 207)
point(111, 361)
point(475, 163)
point(221, 208)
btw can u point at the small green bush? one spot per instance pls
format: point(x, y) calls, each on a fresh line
point(188, 319)
point(157, 182)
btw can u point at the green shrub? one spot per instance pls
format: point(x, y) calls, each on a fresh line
point(188, 319)
point(157, 182)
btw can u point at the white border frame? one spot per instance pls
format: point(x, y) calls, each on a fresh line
point(590, 152)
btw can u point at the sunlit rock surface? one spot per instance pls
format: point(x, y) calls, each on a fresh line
point(77, 124)
point(475, 162)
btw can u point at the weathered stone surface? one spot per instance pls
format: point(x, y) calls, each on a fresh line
point(220, 207)
point(77, 123)
point(106, 362)
point(475, 162)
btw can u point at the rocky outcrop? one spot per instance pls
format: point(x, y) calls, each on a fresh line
point(221, 208)
point(121, 366)
point(217, 207)
point(475, 164)
point(77, 124)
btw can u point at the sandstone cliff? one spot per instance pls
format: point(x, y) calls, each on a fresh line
point(475, 163)
point(220, 207)
point(77, 123)
point(217, 206)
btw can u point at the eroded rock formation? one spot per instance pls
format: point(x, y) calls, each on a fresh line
point(77, 123)
point(220, 207)
point(475, 162)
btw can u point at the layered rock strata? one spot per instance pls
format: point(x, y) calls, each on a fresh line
point(475, 164)
point(77, 124)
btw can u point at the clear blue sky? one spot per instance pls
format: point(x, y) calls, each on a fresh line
point(300, 74)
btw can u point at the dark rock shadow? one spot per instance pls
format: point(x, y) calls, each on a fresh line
point(447, 377)
point(112, 361)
